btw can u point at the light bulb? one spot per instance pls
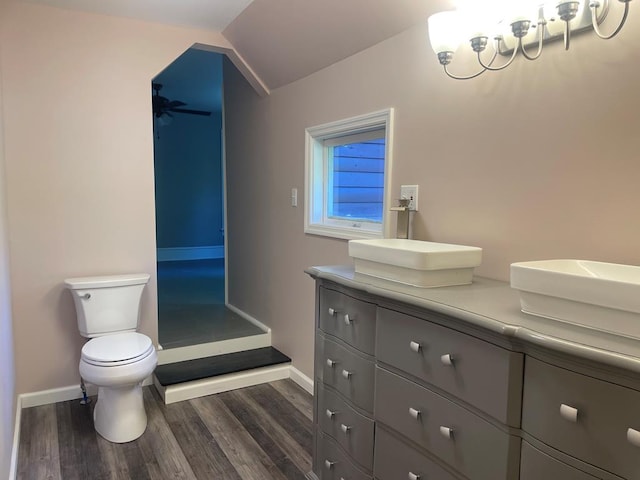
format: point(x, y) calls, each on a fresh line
point(444, 31)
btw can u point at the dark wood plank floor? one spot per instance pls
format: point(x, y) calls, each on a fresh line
point(255, 433)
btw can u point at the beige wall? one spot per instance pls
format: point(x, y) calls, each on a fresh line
point(7, 370)
point(538, 161)
point(79, 168)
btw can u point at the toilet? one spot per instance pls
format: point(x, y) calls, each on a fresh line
point(116, 359)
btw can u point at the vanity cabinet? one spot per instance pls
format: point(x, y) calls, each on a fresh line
point(590, 419)
point(535, 465)
point(471, 370)
point(466, 442)
point(344, 387)
point(404, 392)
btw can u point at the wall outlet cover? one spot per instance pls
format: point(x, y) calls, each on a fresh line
point(410, 192)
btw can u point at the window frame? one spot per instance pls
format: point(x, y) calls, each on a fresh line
point(317, 140)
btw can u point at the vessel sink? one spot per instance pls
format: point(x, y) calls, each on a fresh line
point(602, 296)
point(414, 262)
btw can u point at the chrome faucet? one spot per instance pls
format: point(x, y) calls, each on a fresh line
point(402, 228)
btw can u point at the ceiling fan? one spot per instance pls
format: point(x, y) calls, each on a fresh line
point(163, 107)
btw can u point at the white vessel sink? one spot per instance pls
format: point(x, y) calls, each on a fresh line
point(603, 296)
point(414, 262)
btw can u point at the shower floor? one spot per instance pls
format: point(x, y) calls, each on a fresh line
point(191, 307)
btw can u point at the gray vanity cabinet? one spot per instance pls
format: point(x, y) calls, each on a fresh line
point(345, 376)
point(351, 430)
point(403, 392)
point(536, 465)
point(335, 463)
point(395, 460)
point(465, 441)
point(472, 370)
point(348, 319)
point(587, 418)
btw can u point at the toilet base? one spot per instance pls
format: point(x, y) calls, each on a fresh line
point(119, 415)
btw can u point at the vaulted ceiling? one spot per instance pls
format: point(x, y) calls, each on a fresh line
point(282, 40)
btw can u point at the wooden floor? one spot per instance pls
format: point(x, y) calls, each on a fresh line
point(255, 433)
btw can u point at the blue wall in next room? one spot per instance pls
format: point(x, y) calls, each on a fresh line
point(188, 173)
point(188, 154)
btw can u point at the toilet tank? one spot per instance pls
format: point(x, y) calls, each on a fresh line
point(107, 304)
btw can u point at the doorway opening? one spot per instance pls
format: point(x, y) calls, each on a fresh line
point(190, 204)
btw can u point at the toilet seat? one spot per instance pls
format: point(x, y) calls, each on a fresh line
point(118, 349)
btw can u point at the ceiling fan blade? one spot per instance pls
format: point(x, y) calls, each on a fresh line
point(191, 112)
point(174, 103)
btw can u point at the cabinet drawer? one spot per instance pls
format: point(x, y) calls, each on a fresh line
point(468, 443)
point(349, 319)
point(334, 464)
point(535, 465)
point(587, 418)
point(484, 375)
point(348, 373)
point(395, 460)
point(354, 432)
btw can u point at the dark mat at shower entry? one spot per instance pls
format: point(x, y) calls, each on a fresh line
point(189, 370)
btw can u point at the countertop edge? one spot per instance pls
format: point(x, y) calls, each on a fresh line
point(566, 343)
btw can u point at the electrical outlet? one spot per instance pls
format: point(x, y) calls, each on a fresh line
point(410, 192)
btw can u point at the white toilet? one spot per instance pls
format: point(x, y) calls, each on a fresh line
point(117, 358)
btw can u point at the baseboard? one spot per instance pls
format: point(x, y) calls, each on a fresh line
point(249, 318)
point(301, 379)
point(13, 467)
point(62, 394)
point(189, 253)
point(223, 383)
point(181, 354)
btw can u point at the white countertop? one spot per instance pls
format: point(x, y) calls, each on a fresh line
point(495, 306)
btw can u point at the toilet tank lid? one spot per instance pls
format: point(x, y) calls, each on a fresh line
point(80, 283)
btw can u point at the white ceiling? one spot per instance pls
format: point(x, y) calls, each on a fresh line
point(207, 14)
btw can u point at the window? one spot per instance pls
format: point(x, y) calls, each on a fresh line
point(348, 167)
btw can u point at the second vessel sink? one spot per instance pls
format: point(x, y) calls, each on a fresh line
point(603, 296)
point(414, 262)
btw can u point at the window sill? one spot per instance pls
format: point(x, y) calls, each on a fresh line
point(342, 232)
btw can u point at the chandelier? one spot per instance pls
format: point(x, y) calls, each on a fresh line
point(513, 26)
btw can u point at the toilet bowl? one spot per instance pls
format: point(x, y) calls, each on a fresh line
point(117, 365)
point(116, 359)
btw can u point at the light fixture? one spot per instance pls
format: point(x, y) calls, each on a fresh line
point(513, 26)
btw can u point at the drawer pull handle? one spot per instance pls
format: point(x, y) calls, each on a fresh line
point(329, 464)
point(345, 428)
point(413, 476)
point(414, 413)
point(447, 360)
point(415, 346)
point(446, 432)
point(330, 414)
point(347, 319)
point(346, 374)
point(332, 312)
point(331, 363)
point(569, 413)
point(634, 437)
